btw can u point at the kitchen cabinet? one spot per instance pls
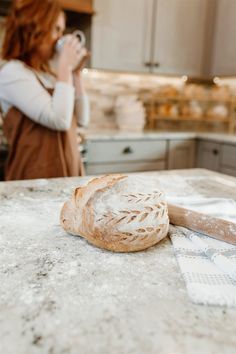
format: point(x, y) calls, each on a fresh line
point(120, 33)
point(150, 35)
point(208, 155)
point(179, 36)
point(136, 155)
point(129, 155)
point(108, 156)
point(228, 159)
point(220, 157)
point(224, 48)
point(181, 154)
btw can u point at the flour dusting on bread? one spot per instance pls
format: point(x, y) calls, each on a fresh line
point(118, 213)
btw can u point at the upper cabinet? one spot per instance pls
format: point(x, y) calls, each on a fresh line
point(121, 33)
point(224, 43)
point(179, 36)
point(162, 36)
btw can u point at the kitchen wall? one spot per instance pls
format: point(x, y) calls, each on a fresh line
point(177, 105)
point(105, 88)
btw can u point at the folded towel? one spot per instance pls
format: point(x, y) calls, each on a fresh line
point(206, 282)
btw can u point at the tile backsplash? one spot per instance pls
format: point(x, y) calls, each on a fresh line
point(169, 102)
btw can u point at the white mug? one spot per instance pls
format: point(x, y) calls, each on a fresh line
point(79, 34)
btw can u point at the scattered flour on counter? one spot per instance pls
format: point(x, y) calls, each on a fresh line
point(174, 185)
point(36, 217)
point(217, 207)
point(192, 193)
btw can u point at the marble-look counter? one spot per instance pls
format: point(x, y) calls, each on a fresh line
point(118, 135)
point(60, 295)
point(220, 138)
point(104, 135)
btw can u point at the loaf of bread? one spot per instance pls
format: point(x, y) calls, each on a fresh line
point(118, 213)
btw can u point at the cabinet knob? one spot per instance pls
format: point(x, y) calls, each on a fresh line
point(127, 150)
point(215, 152)
point(156, 65)
point(148, 63)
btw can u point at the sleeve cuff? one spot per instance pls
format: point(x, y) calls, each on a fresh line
point(60, 85)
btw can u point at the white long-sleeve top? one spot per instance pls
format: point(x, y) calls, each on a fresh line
point(20, 88)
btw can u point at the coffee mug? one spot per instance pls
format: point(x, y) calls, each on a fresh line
point(79, 34)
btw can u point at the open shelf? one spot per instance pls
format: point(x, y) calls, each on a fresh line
point(181, 102)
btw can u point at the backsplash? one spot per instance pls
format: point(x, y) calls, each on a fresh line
point(106, 88)
point(133, 102)
point(169, 102)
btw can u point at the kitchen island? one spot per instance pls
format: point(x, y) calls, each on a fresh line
point(61, 295)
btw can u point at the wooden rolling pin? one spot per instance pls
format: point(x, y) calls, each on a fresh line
point(220, 229)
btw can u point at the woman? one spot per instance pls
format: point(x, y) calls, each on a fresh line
point(38, 105)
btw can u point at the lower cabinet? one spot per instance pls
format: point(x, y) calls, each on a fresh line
point(220, 157)
point(103, 156)
point(114, 156)
point(208, 155)
point(181, 154)
point(228, 159)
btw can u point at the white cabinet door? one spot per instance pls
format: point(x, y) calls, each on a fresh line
point(228, 159)
point(181, 154)
point(121, 32)
point(179, 36)
point(224, 51)
point(208, 155)
point(135, 35)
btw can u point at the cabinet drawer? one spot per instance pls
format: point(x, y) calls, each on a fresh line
point(229, 155)
point(125, 150)
point(96, 168)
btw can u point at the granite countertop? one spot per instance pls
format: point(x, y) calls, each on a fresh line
point(61, 295)
point(115, 135)
point(118, 135)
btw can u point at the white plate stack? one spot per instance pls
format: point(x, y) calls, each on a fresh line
point(130, 113)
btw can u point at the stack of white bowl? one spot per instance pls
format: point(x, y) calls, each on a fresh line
point(130, 113)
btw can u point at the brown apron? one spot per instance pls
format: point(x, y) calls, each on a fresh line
point(39, 152)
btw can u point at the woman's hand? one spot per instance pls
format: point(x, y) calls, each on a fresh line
point(84, 56)
point(69, 58)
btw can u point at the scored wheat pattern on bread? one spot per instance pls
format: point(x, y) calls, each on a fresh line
point(112, 213)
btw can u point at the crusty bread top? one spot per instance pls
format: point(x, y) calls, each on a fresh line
point(129, 203)
point(117, 212)
point(83, 194)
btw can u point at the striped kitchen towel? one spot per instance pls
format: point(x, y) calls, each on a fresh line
point(206, 282)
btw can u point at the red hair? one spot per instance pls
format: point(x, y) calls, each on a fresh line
point(28, 25)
